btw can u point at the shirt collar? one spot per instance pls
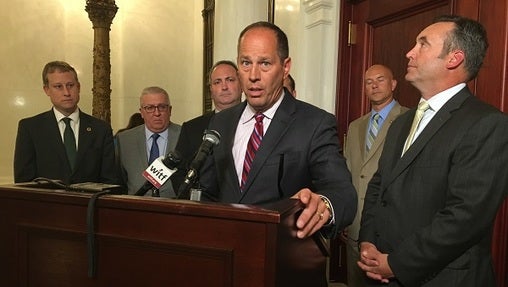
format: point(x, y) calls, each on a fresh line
point(249, 112)
point(383, 113)
point(437, 101)
point(149, 133)
point(59, 116)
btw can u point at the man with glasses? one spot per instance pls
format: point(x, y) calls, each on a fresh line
point(139, 146)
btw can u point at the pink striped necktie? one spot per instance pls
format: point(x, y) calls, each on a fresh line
point(252, 147)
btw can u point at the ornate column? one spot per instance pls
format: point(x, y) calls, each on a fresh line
point(101, 13)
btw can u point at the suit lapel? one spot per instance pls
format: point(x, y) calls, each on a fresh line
point(439, 119)
point(141, 146)
point(172, 138)
point(379, 142)
point(227, 132)
point(364, 125)
point(86, 132)
point(282, 119)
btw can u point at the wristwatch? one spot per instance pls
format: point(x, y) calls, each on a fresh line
point(329, 207)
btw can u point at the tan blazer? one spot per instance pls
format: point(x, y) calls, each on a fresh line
point(362, 164)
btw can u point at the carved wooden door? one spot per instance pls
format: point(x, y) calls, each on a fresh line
point(383, 31)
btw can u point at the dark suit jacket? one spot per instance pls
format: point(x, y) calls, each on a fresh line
point(40, 151)
point(300, 149)
point(191, 137)
point(433, 209)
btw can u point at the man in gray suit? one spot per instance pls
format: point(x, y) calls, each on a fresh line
point(134, 146)
point(364, 143)
point(299, 153)
point(429, 209)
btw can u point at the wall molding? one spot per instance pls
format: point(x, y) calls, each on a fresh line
point(319, 12)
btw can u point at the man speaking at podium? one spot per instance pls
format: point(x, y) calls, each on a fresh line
point(64, 143)
point(274, 146)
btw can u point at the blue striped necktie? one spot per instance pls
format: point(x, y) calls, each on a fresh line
point(373, 131)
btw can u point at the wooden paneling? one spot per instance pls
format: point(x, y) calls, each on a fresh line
point(152, 242)
point(385, 31)
point(391, 39)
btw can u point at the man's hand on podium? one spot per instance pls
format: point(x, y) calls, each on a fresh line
point(317, 212)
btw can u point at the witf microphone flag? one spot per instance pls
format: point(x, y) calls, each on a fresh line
point(158, 173)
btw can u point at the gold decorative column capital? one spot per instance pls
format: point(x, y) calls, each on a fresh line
point(101, 12)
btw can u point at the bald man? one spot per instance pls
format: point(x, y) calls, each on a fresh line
point(362, 157)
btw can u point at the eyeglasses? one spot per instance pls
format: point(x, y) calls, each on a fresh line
point(160, 108)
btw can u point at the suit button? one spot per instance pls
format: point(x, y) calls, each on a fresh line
point(376, 234)
point(383, 203)
point(362, 176)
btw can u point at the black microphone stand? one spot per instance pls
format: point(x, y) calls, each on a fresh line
point(190, 179)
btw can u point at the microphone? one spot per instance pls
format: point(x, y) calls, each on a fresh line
point(210, 138)
point(158, 172)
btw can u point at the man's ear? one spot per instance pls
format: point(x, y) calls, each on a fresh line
point(455, 59)
point(394, 84)
point(286, 66)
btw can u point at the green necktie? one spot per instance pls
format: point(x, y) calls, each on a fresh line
point(69, 142)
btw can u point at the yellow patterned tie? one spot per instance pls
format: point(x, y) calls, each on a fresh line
point(422, 107)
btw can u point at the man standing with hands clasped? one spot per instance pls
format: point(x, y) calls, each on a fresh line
point(430, 207)
point(274, 146)
point(364, 144)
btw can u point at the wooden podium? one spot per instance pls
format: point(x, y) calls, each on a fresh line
point(144, 241)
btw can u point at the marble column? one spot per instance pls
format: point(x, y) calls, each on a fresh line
point(101, 13)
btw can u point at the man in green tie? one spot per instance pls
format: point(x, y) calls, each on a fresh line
point(64, 143)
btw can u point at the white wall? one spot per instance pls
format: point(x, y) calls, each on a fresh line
point(231, 16)
point(153, 42)
point(156, 43)
point(312, 29)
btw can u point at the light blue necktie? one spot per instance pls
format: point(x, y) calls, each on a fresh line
point(372, 134)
